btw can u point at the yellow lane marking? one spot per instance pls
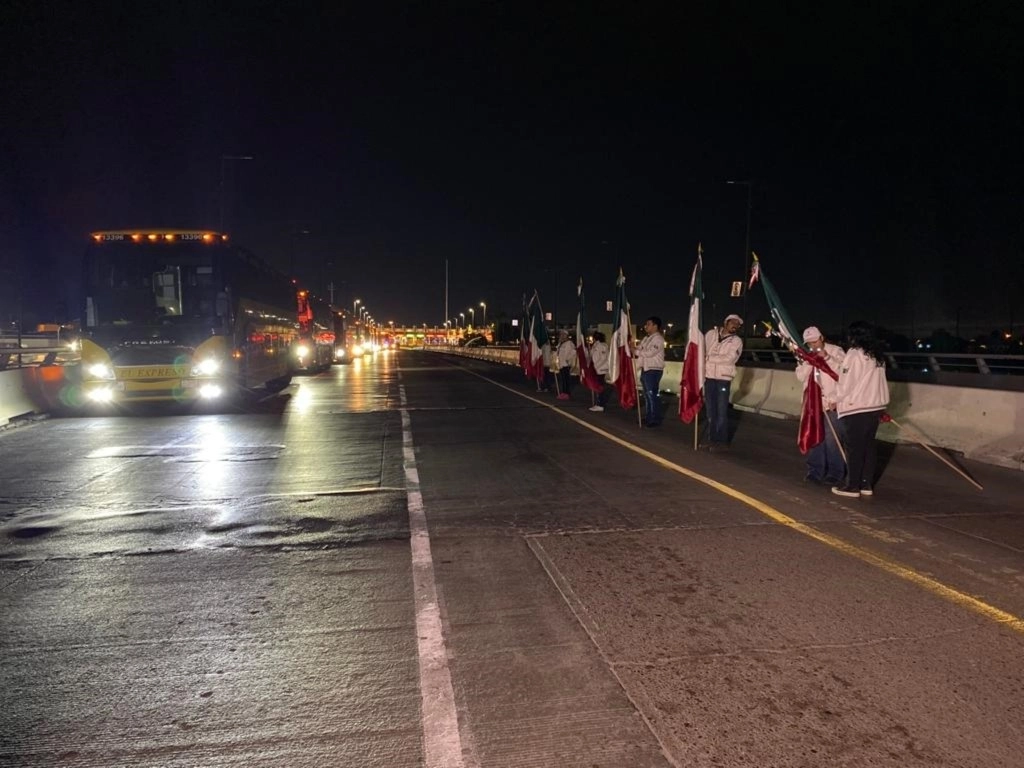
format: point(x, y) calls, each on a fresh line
point(889, 566)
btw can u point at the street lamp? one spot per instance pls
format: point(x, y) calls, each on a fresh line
point(463, 316)
point(354, 304)
point(472, 316)
point(484, 305)
point(746, 245)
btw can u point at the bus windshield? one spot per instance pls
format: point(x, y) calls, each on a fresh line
point(136, 290)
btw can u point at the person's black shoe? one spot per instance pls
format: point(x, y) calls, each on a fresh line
point(812, 479)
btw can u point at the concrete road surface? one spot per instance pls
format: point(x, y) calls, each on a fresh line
point(417, 560)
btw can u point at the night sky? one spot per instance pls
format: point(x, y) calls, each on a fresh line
point(529, 145)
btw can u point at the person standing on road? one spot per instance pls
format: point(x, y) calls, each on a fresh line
point(722, 348)
point(599, 357)
point(862, 393)
point(650, 355)
point(825, 460)
point(566, 354)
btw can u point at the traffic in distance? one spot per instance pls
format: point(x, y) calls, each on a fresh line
point(173, 315)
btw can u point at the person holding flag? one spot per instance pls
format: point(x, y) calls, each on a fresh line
point(651, 355)
point(599, 360)
point(565, 354)
point(539, 346)
point(588, 373)
point(620, 358)
point(722, 348)
point(824, 454)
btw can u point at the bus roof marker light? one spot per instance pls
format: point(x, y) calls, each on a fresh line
point(98, 238)
point(169, 238)
point(136, 238)
point(207, 237)
point(152, 238)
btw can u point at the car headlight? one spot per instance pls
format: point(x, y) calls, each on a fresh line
point(339, 352)
point(100, 371)
point(206, 367)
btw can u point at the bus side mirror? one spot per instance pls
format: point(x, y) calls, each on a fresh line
point(222, 304)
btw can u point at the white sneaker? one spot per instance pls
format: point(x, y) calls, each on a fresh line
point(596, 408)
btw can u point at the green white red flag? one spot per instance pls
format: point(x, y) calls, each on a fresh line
point(691, 388)
point(620, 360)
point(538, 339)
point(588, 376)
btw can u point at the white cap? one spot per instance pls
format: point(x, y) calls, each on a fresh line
point(811, 333)
point(737, 318)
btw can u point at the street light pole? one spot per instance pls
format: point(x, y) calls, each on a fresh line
point(484, 305)
point(749, 184)
point(472, 317)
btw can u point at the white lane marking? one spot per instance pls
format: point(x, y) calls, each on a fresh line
point(442, 745)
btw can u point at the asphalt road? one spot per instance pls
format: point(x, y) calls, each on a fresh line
point(418, 560)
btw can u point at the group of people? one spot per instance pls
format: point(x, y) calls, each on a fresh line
point(852, 403)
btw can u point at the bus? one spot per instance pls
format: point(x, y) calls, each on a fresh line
point(179, 315)
point(345, 342)
point(314, 351)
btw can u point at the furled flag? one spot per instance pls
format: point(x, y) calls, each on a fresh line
point(524, 344)
point(591, 380)
point(538, 339)
point(691, 388)
point(812, 418)
point(620, 359)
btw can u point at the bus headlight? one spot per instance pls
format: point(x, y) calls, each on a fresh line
point(101, 395)
point(206, 367)
point(339, 352)
point(302, 350)
point(357, 350)
point(100, 371)
point(210, 391)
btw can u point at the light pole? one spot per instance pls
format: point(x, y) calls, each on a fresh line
point(354, 305)
point(223, 190)
point(484, 305)
point(462, 316)
point(749, 184)
point(472, 316)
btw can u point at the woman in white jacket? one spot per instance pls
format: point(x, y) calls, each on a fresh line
point(862, 393)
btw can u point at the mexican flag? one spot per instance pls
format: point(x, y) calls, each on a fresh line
point(620, 357)
point(538, 339)
point(588, 376)
point(691, 388)
point(812, 415)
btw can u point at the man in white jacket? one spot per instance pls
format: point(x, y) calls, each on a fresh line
point(566, 354)
point(650, 354)
point(825, 460)
point(722, 348)
point(599, 356)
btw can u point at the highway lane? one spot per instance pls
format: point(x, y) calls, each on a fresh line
point(238, 588)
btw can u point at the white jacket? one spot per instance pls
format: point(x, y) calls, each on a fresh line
point(721, 354)
point(834, 357)
point(862, 385)
point(566, 354)
point(599, 356)
point(651, 352)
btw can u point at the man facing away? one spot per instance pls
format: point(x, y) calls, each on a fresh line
point(599, 357)
point(722, 348)
point(825, 460)
point(651, 357)
point(566, 354)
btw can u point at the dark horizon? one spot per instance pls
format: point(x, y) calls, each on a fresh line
point(529, 149)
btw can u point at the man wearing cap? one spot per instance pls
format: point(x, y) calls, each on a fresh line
point(722, 348)
point(825, 460)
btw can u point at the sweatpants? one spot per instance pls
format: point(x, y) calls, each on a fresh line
point(858, 430)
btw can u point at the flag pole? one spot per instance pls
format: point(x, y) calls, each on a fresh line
point(836, 436)
point(629, 333)
point(933, 452)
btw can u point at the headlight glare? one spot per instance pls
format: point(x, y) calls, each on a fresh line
point(100, 371)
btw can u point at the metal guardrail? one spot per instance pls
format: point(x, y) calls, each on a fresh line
point(28, 351)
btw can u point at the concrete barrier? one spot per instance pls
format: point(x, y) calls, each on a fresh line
point(985, 425)
point(16, 398)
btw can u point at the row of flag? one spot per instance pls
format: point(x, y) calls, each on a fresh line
point(622, 375)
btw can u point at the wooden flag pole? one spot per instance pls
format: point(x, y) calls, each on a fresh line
point(839, 442)
point(936, 454)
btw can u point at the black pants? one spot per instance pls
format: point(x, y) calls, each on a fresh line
point(565, 379)
point(858, 433)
